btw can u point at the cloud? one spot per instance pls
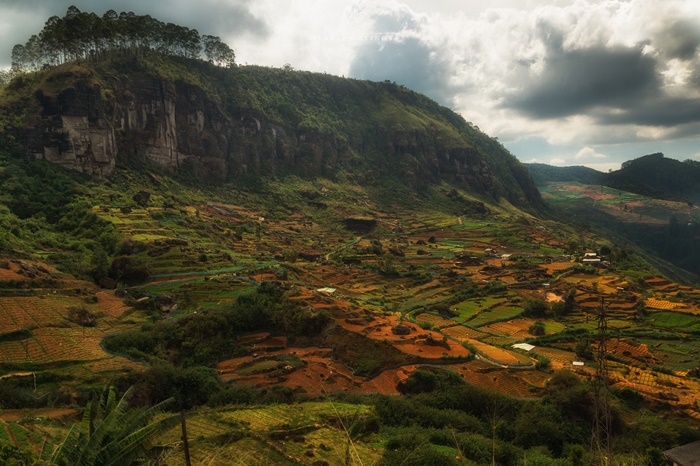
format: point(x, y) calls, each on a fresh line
point(575, 81)
point(679, 38)
point(660, 110)
point(603, 167)
point(401, 51)
point(589, 153)
point(557, 161)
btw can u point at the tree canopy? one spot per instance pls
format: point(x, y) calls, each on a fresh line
point(87, 36)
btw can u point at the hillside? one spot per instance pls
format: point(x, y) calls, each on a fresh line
point(651, 175)
point(310, 270)
point(220, 125)
point(287, 320)
point(650, 202)
point(542, 174)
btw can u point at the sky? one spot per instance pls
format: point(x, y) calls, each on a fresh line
point(568, 82)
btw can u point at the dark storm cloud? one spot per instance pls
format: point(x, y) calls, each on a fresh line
point(679, 39)
point(575, 81)
point(661, 111)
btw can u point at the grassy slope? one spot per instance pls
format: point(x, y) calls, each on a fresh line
point(239, 248)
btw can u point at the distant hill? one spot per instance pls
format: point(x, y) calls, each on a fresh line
point(542, 173)
point(651, 175)
point(658, 176)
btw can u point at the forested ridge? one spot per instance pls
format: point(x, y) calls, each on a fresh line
point(87, 36)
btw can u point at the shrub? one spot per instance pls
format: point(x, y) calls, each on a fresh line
point(82, 317)
point(234, 394)
point(128, 270)
point(543, 362)
point(536, 308)
point(536, 329)
point(425, 325)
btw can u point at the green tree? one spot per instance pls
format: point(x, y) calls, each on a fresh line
point(112, 433)
point(536, 329)
point(536, 308)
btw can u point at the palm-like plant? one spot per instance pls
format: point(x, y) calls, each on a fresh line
point(112, 433)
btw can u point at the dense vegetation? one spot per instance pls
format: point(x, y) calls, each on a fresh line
point(651, 175)
point(43, 208)
point(439, 410)
point(87, 36)
point(202, 339)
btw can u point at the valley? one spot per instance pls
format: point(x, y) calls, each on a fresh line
point(212, 263)
point(427, 284)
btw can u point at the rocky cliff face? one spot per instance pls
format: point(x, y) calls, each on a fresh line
point(90, 127)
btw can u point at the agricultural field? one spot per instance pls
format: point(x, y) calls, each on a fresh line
point(284, 434)
point(422, 287)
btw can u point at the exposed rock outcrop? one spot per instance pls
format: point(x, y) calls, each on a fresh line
point(91, 125)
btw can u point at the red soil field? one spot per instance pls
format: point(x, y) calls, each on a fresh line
point(110, 304)
point(501, 356)
point(516, 328)
point(511, 382)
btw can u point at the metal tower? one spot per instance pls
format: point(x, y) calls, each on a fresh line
point(600, 439)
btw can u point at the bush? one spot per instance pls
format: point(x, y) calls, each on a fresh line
point(128, 270)
point(234, 394)
point(429, 379)
point(422, 455)
point(82, 317)
point(536, 329)
point(536, 308)
point(543, 362)
point(425, 325)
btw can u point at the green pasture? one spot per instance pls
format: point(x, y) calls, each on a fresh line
point(677, 355)
point(497, 314)
point(680, 321)
point(268, 364)
point(469, 308)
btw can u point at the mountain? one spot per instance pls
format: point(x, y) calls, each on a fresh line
point(658, 176)
point(340, 270)
point(651, 175)
point(651, 201)
point(542, 173)
point(223, 124)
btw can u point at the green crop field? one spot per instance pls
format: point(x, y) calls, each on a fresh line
point(686, 322)
point(499, 313)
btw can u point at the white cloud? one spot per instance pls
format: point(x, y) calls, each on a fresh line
point(589, 153)
point(557, 161)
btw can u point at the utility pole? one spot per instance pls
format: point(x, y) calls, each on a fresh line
point(600, 438)
point(185, 445)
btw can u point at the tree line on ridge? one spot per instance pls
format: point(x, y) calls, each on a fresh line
point(87, 36)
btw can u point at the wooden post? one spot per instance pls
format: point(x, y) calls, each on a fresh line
point(185, 445)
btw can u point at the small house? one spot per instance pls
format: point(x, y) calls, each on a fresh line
point(685, 455)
